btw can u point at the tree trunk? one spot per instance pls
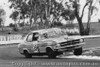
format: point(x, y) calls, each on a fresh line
point(30, 19)
point(35, 12)
point(42, 20)
point(31, 16)
point(81, 27)
point(89, 18)
point(46, 15)
point(79, 19)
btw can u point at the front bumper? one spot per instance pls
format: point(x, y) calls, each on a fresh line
point(69, 47)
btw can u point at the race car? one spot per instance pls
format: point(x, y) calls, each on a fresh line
point(50, 42)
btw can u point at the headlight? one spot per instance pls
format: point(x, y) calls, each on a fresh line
point(58, 45)
point(81, 40)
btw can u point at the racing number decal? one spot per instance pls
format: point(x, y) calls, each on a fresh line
point(35, 47)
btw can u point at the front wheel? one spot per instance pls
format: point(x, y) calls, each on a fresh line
point(78, 51)
point(50, 53)
point(27, 55)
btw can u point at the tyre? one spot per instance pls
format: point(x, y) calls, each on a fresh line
point(50, 53)
point(78, 51)
point(27, 55)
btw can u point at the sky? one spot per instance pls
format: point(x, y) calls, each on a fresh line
point(5, 5)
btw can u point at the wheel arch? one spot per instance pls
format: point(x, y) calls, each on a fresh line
point(25, 49)
point(48, 48)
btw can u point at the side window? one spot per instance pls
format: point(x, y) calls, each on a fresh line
point(30, 38)
point(35, 36)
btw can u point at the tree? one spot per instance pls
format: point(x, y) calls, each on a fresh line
point(43, 9)
point(2, 16)
point(11, 25)
point(74, 6)
point(32, 9)
point(91, 7)
point(14, 16)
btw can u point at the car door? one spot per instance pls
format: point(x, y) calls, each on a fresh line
point(42, 43)
point(31, 43)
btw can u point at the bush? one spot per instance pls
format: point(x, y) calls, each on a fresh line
point(11, 25)
point(70, 25)
point(15, 29)
point(21, 24)
point(56, 24)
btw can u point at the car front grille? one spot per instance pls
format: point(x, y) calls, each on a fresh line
point(70, 42)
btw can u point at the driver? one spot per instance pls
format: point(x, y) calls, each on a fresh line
point(45, 35)
point(35, 36)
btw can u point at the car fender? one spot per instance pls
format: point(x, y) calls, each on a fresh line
point(50, 47)
point(26, 50)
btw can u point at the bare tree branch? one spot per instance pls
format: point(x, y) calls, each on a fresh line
point(84, 9)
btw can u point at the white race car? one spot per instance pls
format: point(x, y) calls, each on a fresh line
point(50, 42)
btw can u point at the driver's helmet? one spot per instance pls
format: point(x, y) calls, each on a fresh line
point(45, 35)
point(36, 35)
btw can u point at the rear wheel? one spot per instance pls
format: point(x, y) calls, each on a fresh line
point(27, 55)
point(78, 51)
point(50, 53)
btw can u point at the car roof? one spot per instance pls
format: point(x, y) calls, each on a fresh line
point(45, 30)
point(51, 32)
